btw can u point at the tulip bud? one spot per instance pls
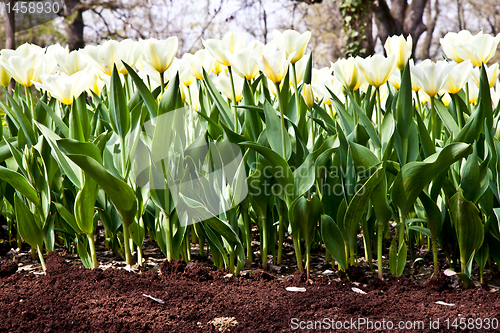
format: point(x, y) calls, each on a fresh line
point(400, 48)
point(308, 95)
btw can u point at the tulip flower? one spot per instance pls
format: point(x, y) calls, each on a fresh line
point(202, 60)
point(400, 48)
point(292, 42)
point(308, 95)
point(185, 70)
point(23, 51)
point(111, 53)
point(243, 63)
point(223, 83)
point(347, 73)
point(25, 70)
point(159, 54)
point(274, 66)
point(457, 77)
point(63, 87)
point(491, 71)
point(72, 62)
point(432, 75)
point(4, 76)
point(300, 70)
point(479, 49)
point(230, 43)
point(376, 69)
point(450, 40)
point(93, 82)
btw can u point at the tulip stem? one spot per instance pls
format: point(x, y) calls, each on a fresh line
point(233, 91)
point(92, 250)
point(282, 119)
point(379, 118)
point(162, 83)
point(432, 120)
point(296, 88)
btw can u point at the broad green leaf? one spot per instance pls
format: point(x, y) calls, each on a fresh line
point(446, 117)
point(422, 230)
point(28, 228)
point(20, 184)
point(84, 207)
point(434, 217)
point(217, 99)
point(279, 168)
point(404, 106)
point(56, 119)
point(357, 209)
point(17, 113)
point(119, 192)
point(69, 168)
point(171, 99)
point(333, 239)
point(363, 119)
point(416, 176)
point(468, 226)
point(474, 177)
point(402, 255)
point(68, 217)
point(274, 134)
point(145, 93)
point(118, 109)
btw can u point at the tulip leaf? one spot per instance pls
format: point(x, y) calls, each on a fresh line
point(118, 109)
point(404, 106)
point(402, 256)
point(119, 192)
point(69, 168)
point(425, 139)
point(145, 93)
point(468, 226)
point(333, 239)
point(474, 177)
point(171, 99)
point(56, 119)
point(20, 184)
point(274, 134)
point(84, 206)
point(17, 113)
point(357, 209)
point(446, 117)
point(216, 97)
point(28, 228)
point(366, 123)
point(346, 119)
point(279, 167)
point(433, 214)
point(68, 217)
point(415, 176)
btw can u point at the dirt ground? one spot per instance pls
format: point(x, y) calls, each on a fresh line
point(195, 298)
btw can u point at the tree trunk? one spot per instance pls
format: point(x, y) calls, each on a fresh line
point(431, 25)
point(74, 19)
point(357, 22)
point(400, 19)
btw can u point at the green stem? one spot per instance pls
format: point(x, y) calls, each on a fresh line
point(281, 231)
point(168, 236)
point(140, 258)
point(312, 129)
point(379, 114)
point(92, 250)
point(127, 89)
point(282, 119)
point(263, 245)
point(327, 257)
point(162, 83)
point(248, 235)
point(308, 257)
point(402, 226)
point(298, 251)
point(433, 121)
point(126, 243)
point(29, 97)
point(40, 255)
point(233, 91)
point(296, 89)
point(467, 96)
point(435, 257)
point(380, 239)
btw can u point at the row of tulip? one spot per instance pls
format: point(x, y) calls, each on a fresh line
point(202, 148)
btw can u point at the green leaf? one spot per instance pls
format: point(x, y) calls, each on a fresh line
point(119, 192)
point(273, 131)
point(171, 99)
point(56, 119)
point(217, 99)
point(333, 239)
point(118, 109)
point(404, 106)
point(28, 228)
point(468, 226)
point(474, 177)
point(70, 169)
point(434, 217)
point(20, 184)
point(402, 255)
point(366, 123)
point(420, 229)
point(416, 176)
point(357, 209)
point(446, 117)
point(68, 217)
point(84, 207)
point(17, 114)
point(145, 93)
point(279, 168)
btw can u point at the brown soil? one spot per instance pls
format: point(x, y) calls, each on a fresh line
point(194, 298)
